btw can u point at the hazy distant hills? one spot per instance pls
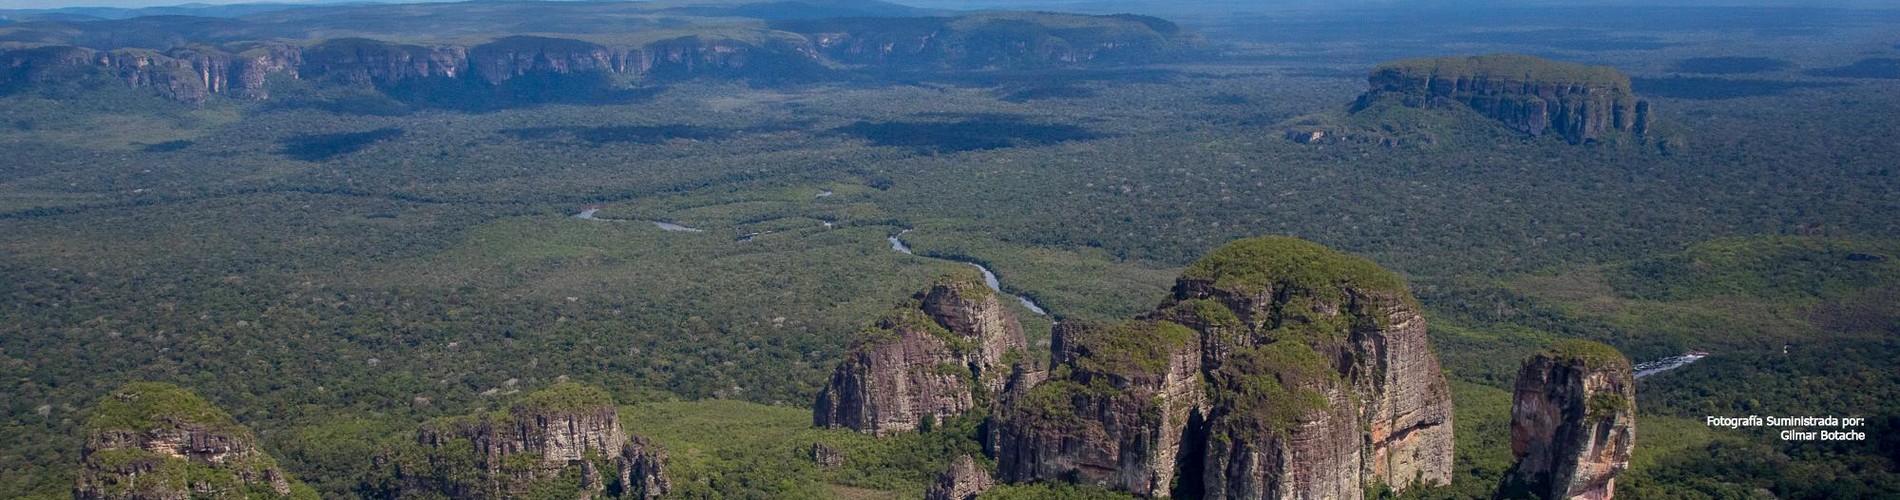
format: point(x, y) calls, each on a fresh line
point(442, 47)
point(217, 24)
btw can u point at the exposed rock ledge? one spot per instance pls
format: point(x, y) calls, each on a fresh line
point(154, 440)
point(1531, 95)
point(532, 447)
point(932, 358)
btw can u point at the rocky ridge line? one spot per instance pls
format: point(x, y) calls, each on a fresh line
point(198, 69)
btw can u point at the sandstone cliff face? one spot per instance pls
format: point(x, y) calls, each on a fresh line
point(531, 445)
point(158, 441)
point(935, 357)
point(1113, 412)
point(510, 57)
point(968, 307)
point(1573, 423)
point(1531, 95)
point(255, 65)
point(1356, 318)
point(783, 50)
point(963, 481)
point(1283, 426)
point(187, 74)
point(364, 61)
point(1278, 369)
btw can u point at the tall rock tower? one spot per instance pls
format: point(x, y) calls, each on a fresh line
point(1573, 423)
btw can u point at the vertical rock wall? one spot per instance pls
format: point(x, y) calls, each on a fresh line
point(1278, 369)
point(1531, 95)
point(1113, 412)
point(157, 441)
point(933, 358)
point(529, 447)
point(1573, 423)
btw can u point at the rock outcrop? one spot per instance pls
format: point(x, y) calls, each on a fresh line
point(215, 64)
point(365, 61)
point(1531, 95)
point(534, 448)
point(1573, 423)
point(826, 456)
point(963, 481)
point(931, 359)
point(191, 73)
point(157, 441)
point(1278, 369)
point(1113, 411)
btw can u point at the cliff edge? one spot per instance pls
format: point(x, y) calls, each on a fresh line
point(1573, 423)
point(565, 441)
point(1277, 369)
point(932, 358)
point(1531, 95)
point(156, 440)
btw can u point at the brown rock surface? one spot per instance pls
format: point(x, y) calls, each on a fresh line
point(935, 357)
point(502, 454)
point(963, 481)
point(1282, 427)
point(1531, 95)
point(1573, 423)
point(1278, 369)
point(1113, 412)
point(826, 456)
point(238, 59)
point(157, 441)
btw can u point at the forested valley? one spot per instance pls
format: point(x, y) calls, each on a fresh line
point(344, 261)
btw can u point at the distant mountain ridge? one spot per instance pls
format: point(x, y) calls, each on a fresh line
point(192, 58)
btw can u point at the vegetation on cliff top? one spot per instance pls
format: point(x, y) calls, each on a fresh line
point(1593, 355)
point(148, 406)
point(1104, 352)
point(1130, 347)
point(563, 397)
point(1271, 389)
point(1511, 66)
point(144, 407)
point(452, 460)
point(1280, 262)
point(967, 281)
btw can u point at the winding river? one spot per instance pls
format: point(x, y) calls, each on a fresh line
point(897, 245)
point(989, 278)
point(588, 214)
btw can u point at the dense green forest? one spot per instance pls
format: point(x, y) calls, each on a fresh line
point(336, 265)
